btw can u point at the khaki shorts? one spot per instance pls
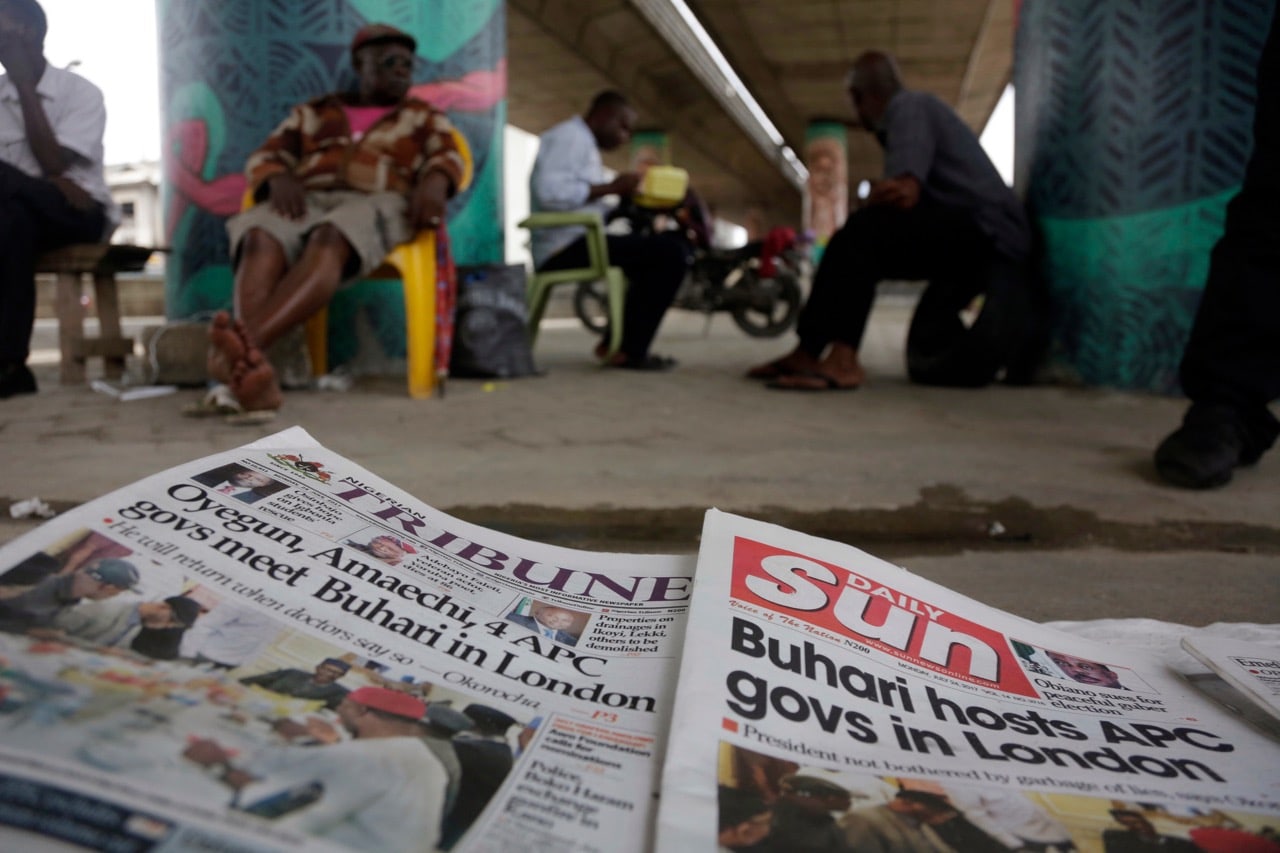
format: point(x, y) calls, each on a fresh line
point(373, 223)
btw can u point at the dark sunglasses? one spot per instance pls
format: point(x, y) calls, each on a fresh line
point(395, 61)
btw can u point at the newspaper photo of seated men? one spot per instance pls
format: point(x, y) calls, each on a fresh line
point(101, 664)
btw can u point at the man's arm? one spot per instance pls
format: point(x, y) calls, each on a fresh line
point(902, 192)
point(910, 147)
point(561, 181)
point(264, 679)
point(23, 67)
point(210, 755)
point(269, 169)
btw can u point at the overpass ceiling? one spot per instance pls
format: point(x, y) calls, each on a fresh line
point(792, 56)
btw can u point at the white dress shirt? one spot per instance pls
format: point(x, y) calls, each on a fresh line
point(78, 116)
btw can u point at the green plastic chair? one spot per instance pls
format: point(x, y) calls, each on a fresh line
point(540, 283)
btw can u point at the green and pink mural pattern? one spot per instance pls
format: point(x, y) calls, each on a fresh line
point(1134, 124)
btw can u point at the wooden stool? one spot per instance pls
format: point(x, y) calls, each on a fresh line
point(102, 261)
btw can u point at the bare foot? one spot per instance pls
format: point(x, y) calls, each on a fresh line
point(796, 361)
point(253, 382)
point(227, 346)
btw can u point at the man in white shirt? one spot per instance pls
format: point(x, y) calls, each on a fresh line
point(384, 790)
point(52, 189)
point(568, 175)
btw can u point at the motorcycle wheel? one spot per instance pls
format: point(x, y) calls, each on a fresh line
point(591, 304)
point(771, 307)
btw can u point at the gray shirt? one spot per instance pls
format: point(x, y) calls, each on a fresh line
point(924, 137)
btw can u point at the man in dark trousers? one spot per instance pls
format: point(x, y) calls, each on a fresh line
point(485, 758)
point(52, 189)
point(1231, 366)
point(568, 174)
point(942, 213)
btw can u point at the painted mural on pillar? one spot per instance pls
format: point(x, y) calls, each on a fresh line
point(231, 71)
point(826, 197)
point(649, 148)
point(1133, 126)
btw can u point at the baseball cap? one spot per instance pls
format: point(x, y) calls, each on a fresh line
point(184, 609)
point(336, 662)
point(370, 33)
point(117, 573)
point(389, 702)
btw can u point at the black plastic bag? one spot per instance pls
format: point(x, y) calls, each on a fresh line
point(489, 336)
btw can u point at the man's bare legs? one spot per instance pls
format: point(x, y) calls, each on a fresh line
point(269, 302)
point(262, 265)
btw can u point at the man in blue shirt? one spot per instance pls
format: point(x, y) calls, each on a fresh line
point(568, 174)
point(941, 213)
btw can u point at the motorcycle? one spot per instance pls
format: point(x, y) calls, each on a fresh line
point(761, 293)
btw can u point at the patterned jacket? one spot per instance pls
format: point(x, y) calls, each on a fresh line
point(314, 143)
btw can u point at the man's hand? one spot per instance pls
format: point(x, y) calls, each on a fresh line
point(16, 54)
point(902, 192)
point(73, 193)
point(287, 196)
point(205, 752)
point(625, 184)
point(426, 204)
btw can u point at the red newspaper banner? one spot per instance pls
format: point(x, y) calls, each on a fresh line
point(846, 604)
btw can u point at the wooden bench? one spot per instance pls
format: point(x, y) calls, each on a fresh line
point(102, 261)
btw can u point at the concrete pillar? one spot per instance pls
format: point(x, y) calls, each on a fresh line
point(230, 71)
point(1133, 125)
point(826, 195)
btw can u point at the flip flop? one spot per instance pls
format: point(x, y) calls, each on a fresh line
point(649, 362)
point(809, 380)
point(251, 418)
point(771, 370)
point(216, 403)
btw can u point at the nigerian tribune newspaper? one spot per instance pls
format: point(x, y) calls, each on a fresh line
point(273, 649)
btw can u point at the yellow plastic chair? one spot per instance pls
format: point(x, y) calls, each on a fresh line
point(414, 264)
point(597, 269)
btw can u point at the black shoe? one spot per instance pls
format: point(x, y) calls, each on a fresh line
point(16, 379)
point(649, 362)
point(1202, 453)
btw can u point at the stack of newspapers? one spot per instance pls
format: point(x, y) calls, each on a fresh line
point(275, 649)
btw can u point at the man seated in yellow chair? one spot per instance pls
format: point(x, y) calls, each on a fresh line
point(341, 182)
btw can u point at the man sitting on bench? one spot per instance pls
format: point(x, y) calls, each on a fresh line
point(52, 189)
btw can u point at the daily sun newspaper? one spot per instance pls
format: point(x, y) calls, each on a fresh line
point(829, 701)
point(274, 649)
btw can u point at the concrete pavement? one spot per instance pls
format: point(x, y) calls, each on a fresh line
point(1038, 500)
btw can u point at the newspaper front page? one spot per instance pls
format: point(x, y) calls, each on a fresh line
point(273, 649)
point(829, 701)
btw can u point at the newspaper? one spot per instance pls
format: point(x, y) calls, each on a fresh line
point(830, 701)
point(1252, 669)
point(274, 649)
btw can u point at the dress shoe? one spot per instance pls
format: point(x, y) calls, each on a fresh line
point(16, 379)
point(1204, 452)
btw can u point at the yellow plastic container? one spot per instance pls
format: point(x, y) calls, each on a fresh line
point(662, 186)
